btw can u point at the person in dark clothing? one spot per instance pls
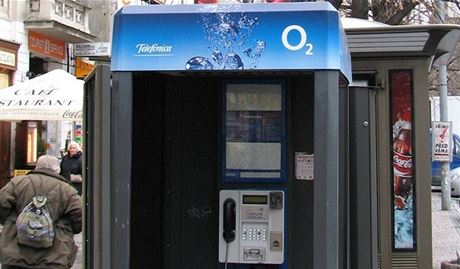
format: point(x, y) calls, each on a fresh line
point(71, 165)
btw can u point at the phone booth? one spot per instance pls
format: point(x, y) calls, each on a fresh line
point(394, 83)
point(228, 129)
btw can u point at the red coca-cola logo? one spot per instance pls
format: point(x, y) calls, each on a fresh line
point(402, 164)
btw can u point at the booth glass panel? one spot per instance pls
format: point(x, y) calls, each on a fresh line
point(254, 132)
point(404, 193)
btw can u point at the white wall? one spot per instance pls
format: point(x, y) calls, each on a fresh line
point(12, 29)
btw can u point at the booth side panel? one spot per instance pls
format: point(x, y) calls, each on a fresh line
point(97, 169)
point(120, 168)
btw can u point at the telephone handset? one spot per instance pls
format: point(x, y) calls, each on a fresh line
point(229, 220)
point(251, 226)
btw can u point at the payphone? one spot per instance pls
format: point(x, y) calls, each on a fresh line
point(251, 226)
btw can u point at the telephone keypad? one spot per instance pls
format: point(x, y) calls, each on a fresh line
point(254, 234)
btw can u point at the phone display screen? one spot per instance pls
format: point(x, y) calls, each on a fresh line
point(255, 199)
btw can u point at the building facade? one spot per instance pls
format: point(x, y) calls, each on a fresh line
point(37, 36)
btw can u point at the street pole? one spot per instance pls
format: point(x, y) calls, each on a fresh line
point(445, 182)
point(445, 166)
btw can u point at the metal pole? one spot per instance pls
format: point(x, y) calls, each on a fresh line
point(445, 182)
point(445, 166)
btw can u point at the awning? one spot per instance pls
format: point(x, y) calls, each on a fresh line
point(56, 95)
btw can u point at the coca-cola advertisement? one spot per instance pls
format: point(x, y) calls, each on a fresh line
point(402, 160)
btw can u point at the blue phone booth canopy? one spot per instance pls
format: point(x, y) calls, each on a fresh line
point(232, 37)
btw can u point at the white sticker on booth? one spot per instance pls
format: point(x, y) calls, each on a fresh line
point(304, 166)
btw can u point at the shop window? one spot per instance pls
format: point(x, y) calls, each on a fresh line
point(4, 80)
point(37, 66)
point(32, 145)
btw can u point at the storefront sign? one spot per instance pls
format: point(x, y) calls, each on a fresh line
point(442, 141)
point(7, 58)
point(46, 46)
point(92, 49)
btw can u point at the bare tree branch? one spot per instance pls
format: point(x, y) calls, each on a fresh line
point(400, 14)
point(396, 12)
point(336, 3)
point(360, 9)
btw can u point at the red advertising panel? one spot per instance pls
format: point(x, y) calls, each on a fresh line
point(402, 159)
point(205, 1)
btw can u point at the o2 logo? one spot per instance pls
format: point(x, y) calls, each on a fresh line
point(302, 42)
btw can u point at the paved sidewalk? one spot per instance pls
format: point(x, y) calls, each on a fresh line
point(445, 230)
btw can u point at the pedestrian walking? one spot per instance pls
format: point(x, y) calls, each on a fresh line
point(71, 165)
point(41, 195)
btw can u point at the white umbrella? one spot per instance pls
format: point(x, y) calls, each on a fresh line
point(56, 95)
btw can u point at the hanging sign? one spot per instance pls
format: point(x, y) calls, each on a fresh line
point(442, 141)
point(92, 49)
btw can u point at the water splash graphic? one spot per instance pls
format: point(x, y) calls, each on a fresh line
point(199, 63)
point(217, 56)
point(232, 45)
point(233, 61)
point(260, 47)
point(404, 225)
